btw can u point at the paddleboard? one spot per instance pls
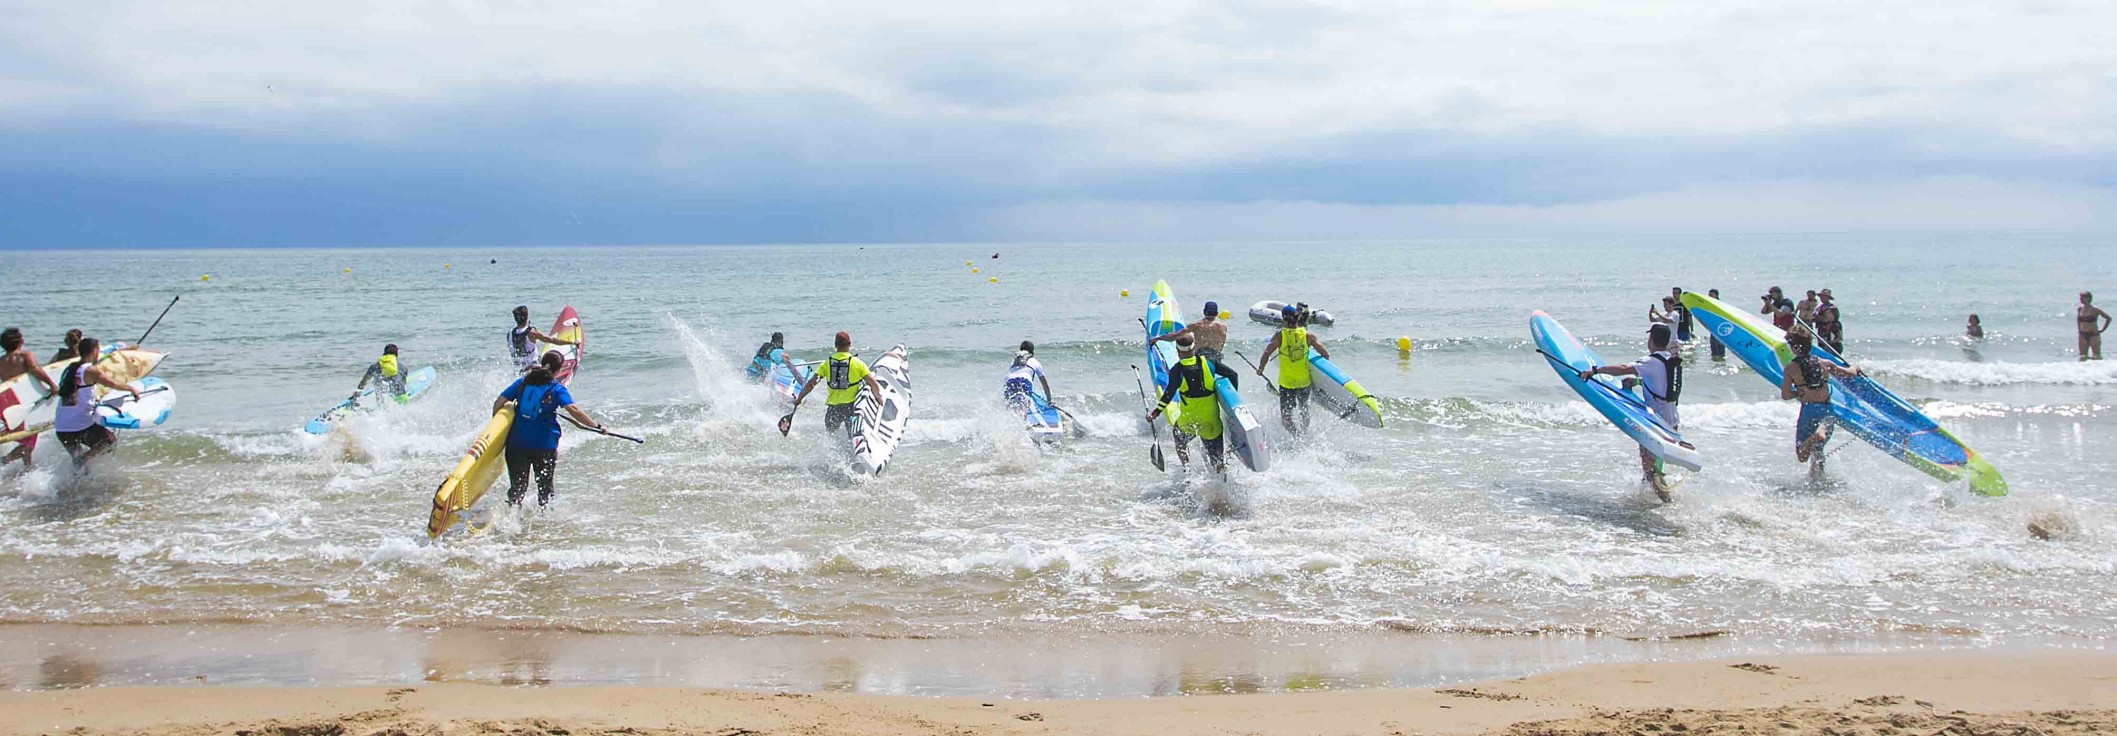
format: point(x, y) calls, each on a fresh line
point(1163, 317)
point(473, 474)
point(415, 383)
point(1863, 407)
point(883, 418)
point(151, 409)
point(32, 413)
point(1269, 313)
point(1240, 428)
point(1340, 394)
point(568, 327)
point(1045, 422)
point(786, 384)
point(1624, 408)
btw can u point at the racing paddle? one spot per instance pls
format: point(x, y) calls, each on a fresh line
point(1153, 454)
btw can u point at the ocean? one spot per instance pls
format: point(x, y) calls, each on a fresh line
point(1495, 507)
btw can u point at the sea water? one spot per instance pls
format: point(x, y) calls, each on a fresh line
point(1494, 503)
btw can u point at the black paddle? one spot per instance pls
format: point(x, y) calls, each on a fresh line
point(1154, 454)
point(1260, 373)
point(603, 432)
point(157, 322)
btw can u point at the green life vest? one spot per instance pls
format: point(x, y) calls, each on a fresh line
point(1197, 410)
point(1293, 358)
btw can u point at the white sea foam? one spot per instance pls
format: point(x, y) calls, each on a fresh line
point(2098, 373)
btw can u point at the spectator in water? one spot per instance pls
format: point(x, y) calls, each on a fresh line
point(1976, 330)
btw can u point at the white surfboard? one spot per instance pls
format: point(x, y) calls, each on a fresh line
point(884, 417)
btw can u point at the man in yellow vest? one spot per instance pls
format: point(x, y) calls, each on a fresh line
point(845, 375)
point(1190, 390)
point(1291, 347)
point(388, 377)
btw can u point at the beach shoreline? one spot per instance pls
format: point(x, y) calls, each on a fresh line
point(2051, 691)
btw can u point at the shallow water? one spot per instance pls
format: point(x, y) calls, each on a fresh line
point(1493, 502)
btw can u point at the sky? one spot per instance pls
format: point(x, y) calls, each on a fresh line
point(446, 123)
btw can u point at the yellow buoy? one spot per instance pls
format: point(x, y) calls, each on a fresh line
point(203, 276)
point(966, 263)
point(1403, 347)
point(347, 271)
point(1124, 292)
point(448, 265)
point(973, 270)
point(993, 280)
point(1224, 314)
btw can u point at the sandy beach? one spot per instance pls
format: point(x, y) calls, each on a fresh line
point(2057, 692)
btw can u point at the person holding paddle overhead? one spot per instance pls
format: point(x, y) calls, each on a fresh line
point(16, 361)
point(1198, 415)
point(83, 436)
point(1291, 345)
point(1661, 374)
point(845, 375)
point(533, 439)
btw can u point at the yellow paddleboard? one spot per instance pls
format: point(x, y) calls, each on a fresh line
point(474, 473)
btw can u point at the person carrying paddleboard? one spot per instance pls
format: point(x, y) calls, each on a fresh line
point(1209, 333)
point(75, 421)
point(533, 439)
point(522, 340)
point(388, 377)
point(2086, 319)
point(844, 375)
point(1020, 376)
point(1808, 379)
point(1291, 345)
point(1191, 382)
point(73, 343)
point(17, 361)
point(772, 352)
point(1661, 374)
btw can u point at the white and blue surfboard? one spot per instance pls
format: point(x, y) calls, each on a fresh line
point(1623, 407)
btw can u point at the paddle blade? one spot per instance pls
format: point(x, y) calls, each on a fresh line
point(786, 424)
point(1154, 454)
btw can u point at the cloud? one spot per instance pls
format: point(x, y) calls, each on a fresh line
point(933, 120)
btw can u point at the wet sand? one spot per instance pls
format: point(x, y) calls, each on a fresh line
point(2060, 692)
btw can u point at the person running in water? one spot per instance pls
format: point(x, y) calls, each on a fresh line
point(772, 352)
point(1661, 374)
point(1719, 348)
point(1191, 391)
point(1022, 378)
point(17, 361)
point(2087, 318)
point(1209, 333)
point(1291, 346)
point(73, 342)
point(844, 375)
point(533, 439)
point(387, 375)
point(522, 340)
point(75, 422)
point(1808, 379)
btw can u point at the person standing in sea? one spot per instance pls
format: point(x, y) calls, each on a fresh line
point(2090, 333)
point(1830, 325)
point(1719, 348)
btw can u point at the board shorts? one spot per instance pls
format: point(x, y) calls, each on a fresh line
point(836, 415)
point(1813, 418)
point(1017, 390)
point(1212, 354)
point(96, 436)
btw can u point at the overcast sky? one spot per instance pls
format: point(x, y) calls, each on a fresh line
point(540, 123)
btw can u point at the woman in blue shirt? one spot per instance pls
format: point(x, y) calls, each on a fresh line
point(533, 440)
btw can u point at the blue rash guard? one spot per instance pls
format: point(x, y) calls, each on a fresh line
point(537, 409)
